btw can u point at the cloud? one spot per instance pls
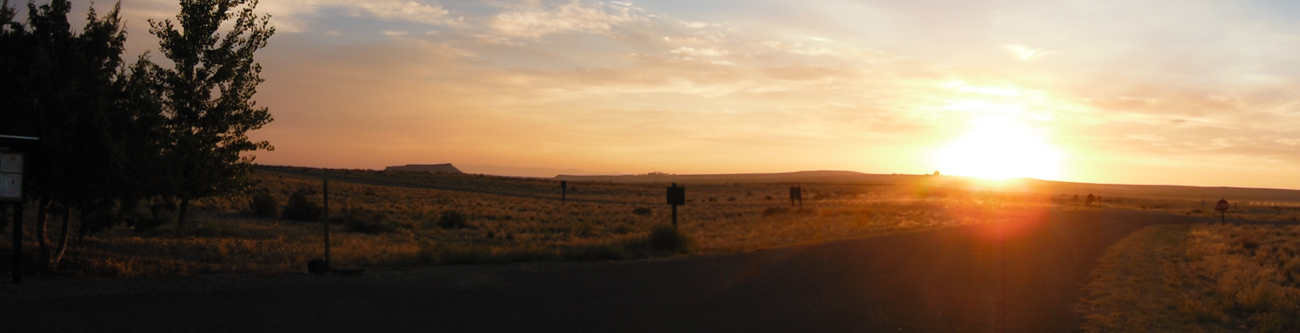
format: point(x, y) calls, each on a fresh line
point(532, 19)
point(1193, 83)
point(1024, 53)
point(690, 51)
point(406, 11)
point(300, 15)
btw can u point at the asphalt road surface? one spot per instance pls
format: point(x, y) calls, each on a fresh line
point(963, 279)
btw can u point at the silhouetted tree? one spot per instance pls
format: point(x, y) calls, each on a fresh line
point(207, 97)
point(60, 86)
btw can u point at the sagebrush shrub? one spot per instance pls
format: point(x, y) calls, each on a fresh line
point(264, 204)
point(301, 208)
point(666, 238)
point(451, 219)
point(366, 221)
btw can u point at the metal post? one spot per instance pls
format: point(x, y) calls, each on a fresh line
point(674, 216)
point(1002, 281)
point(326, 222)
point(18, 243)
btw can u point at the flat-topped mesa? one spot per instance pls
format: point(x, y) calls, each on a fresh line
point(445, 167)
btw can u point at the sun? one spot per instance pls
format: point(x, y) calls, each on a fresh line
point(999, 148)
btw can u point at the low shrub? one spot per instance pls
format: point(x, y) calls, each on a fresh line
point(264, 204)
point(301, 208)
point(451, 219)
point(772, 211)
point(159, 213)
point(643, 211)
point(366, 221)
point(666, 238)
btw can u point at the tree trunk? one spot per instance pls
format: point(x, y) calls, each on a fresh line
point(43, 244)
point(180, 216)
point(63, 240)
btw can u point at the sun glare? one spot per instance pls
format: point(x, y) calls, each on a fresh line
point(998, 148)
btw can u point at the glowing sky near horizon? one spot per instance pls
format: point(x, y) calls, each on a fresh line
point(1151, 92)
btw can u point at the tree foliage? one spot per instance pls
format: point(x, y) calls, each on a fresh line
point(114, 135)
point(60, 86)
point(207, 96)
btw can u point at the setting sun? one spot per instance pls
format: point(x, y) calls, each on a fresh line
point(999, 148)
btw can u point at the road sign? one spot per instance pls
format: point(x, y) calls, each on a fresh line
point(676, 195)
point(1222, 206)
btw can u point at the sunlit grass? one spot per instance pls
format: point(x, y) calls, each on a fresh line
point(1203, 278)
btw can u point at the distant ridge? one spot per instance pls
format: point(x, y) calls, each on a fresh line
point(782, 177)
point(1024, 185)
point(445, 167)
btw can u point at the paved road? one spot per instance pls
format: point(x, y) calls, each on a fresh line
point(939, 280)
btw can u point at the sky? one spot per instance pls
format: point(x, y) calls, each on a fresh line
point(1187, 92)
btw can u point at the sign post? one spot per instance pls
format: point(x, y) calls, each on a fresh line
point(564, 189)
point(11, 191)
point(676, 196)
point(796, 193)
point(1222, 207)
point(325, 187)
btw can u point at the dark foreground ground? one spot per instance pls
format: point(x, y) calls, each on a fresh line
point(941, 280)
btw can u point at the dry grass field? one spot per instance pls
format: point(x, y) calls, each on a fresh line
point(376, 226)
point(1198, 278)
point(1281, 211)
point(403, 219)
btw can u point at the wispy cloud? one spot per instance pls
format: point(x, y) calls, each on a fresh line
point(1024, 53)
point(533, 19)
point(300, 15)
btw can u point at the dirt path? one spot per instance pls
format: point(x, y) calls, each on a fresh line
point(939, 280)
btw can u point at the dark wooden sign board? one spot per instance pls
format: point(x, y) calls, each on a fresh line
point(676, 195)
point(564, 189)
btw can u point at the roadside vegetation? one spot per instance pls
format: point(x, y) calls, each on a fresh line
point(276, 227)
point(1238, 210)
point(1198, 278)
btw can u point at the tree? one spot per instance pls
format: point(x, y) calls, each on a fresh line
point(207, 97)
point(60, 85)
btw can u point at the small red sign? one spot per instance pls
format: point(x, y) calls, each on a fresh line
point(1222, 206)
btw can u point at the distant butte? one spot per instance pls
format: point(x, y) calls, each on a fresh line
point(445, 167)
